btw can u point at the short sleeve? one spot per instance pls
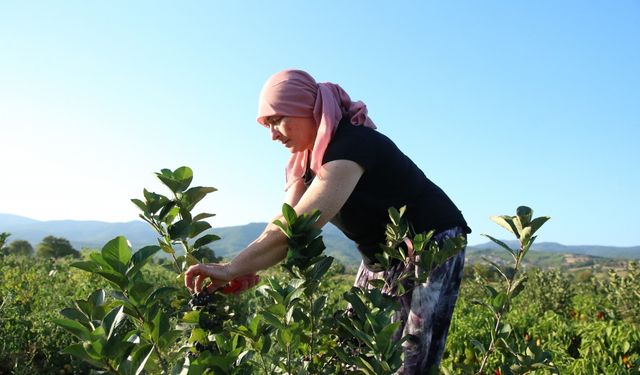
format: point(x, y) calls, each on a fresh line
point(355, 143)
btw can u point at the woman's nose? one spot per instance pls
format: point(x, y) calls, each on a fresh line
point(274, 133)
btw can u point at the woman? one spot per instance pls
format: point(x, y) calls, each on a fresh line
point(350, 172)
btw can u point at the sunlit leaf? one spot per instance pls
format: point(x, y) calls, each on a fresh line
point(117, 253)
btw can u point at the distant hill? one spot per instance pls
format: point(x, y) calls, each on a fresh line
point(94, 234)
point(553, 247)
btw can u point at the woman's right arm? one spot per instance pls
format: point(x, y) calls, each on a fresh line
point(326, 194)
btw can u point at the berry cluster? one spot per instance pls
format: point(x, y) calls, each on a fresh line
point(213, 308)
point(212, 318)
point(210, 346)
point(201, 299)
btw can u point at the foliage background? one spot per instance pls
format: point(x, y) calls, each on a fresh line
point(581, 317)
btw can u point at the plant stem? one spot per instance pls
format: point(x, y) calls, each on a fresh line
point(311, 343)
point(498, 316)
point(491, 348)
point(165, 369)
point(289, 360)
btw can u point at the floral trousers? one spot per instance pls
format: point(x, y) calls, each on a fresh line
point(425, 309)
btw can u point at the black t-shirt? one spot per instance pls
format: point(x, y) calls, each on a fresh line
point(390, 179)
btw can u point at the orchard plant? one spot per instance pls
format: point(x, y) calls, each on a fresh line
point(136, 327)
point(500, 348)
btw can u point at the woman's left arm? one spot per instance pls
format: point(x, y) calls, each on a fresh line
point(327, 193)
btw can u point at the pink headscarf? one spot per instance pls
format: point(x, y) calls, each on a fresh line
point(295, 93)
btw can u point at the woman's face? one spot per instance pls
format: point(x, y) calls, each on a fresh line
point(295, 133)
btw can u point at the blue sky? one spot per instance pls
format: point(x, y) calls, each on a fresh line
point(500, 103)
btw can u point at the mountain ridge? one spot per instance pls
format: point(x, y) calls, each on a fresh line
point(94, 234)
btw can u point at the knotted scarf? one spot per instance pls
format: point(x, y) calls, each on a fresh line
point(295, 93)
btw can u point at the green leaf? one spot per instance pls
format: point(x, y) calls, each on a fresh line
point(499, 300)
point(160, 293)
point(383, 338)
point(139, 292)
point(160, 325)
point(86, 266)
point(141, 205)
point(154, 201)
point(198, 227)
point(75, 328)
point(191, 260)
point(178, 180)
point(169, 338)
point(294, 295)
point(289, 214)
point(285, 336)
point(114, 277)
point(518, 286)
point(377, 283)
point(194, 195)
point(318, 305)
point(140, 357)
point(503, 245)
point(492, 291)
point(75, 314)
point(141, 257)
point(78, 350)
point(202, 216)
point(117, 253)
point(358, 306)
point(479, 346)
point(179, 230)
point(85, 307)
point(524, 213)
point(97, 257)
point(115, 348)
point(537, 223)
point(320, 269)
point(272, 320)
point(205, 240)
point(113, 320)
point(168, 207)
point(185, 214)
point(166, 248)
point(366, 366)
point(283, 227)
point(394, 215)
point(506, 329)
point(184, 175)
point(96, 298)
point(191, 317)
point(506, 222)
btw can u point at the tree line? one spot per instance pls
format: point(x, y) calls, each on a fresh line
point(49, 247)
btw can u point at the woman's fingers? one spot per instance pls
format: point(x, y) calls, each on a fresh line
point(198, 281)
point(190, 276)
point(196, 276)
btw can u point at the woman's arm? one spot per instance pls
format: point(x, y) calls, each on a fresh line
point(328, 192)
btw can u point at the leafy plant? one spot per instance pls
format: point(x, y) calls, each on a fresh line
point(150, 310)
point(499, 300)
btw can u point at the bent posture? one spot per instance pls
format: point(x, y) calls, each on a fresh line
point(352, 173)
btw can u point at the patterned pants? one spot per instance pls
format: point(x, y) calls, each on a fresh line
point(425, 310)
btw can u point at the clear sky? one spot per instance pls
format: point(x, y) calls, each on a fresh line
point(501, 103)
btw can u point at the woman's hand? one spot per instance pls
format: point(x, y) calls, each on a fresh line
point(240, 284)
point(220, 276)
